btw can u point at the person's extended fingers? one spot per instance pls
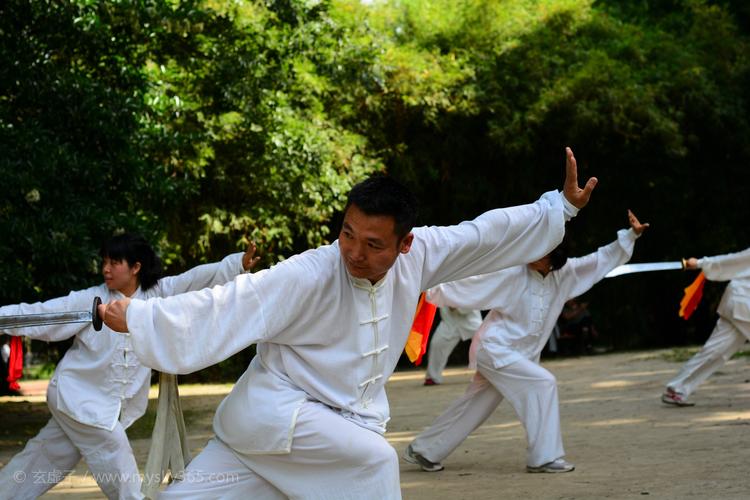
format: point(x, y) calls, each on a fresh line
point(571, 168)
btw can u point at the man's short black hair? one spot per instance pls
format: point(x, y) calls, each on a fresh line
point(382, 195)
point(134, 248)
point(559, 256)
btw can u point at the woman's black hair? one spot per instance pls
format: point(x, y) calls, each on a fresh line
point(382, 195)
point(134, 248)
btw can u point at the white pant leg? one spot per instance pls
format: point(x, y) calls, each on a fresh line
point(107, 453)
point(332, 458)
point(532, 392)
point(444, 340)
point(461, 418)
point(218, 473)
point(46, 460)
point(725, 340)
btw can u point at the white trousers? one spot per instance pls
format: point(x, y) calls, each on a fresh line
point(726, 339)
point(453, 327)
point(331, 459)
point(444, 340)
point(530, 389)
point(52, 454)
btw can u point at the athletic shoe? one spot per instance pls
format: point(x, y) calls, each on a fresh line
point(429, 381)
point(559, 465)
point(672, 397)
point(415, 458)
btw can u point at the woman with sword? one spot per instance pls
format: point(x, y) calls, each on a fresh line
point(99, 388)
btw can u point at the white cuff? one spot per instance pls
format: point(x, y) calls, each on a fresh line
point(569, 210)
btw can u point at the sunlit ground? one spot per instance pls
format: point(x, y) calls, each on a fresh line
point(624, 441)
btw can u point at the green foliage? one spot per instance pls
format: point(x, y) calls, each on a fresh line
point(39, 372)
point(206, 123)
point(76, 163)
point(652, 96)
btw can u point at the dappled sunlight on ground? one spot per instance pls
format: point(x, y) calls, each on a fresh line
point(624, 441)
point(616, 421)
point(740, 416)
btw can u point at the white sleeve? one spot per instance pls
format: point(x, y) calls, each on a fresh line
point(81, 300)
point(203, 276)
point(487, 291)
point(726, 267)
point(187, 332)
point(582, 273)
point(495, 240)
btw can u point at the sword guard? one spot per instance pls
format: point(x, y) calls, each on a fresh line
point(96, 320)
point(684, 263)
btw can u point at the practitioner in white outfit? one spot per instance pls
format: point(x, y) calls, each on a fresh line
point(732, 328)
point(456, 324)
point(307, 418)
point(100, 386)
point(524, 302)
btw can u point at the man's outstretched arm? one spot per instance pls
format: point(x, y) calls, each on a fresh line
point(504, 237)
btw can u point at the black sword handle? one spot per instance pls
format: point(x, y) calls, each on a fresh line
point(96, 320)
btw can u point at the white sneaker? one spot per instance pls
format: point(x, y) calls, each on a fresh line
point(559, 465)
point(672, 397)
point(415, 458)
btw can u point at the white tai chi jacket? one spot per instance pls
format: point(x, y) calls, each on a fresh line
point(735, 303)
point(321, 334)
point(99, 379)
point(524, 305)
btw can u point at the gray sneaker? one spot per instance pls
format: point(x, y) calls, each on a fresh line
point(415, 458)
point(559, 465)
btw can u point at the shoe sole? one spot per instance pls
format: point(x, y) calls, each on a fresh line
point(672, 402)
point(540, 470)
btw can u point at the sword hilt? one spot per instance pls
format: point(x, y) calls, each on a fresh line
point(96, 320)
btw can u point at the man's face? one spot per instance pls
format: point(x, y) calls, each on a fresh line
point(369, 244)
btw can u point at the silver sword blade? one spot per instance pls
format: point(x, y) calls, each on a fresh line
point(45, 319)
point(644, 267)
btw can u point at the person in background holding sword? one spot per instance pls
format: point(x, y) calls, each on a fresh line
point(99, 388)
point(732, 328)
point(524, 302)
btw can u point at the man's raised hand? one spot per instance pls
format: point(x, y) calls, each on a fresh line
point(574, 194)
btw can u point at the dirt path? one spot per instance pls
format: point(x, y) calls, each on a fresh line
point(625, 443)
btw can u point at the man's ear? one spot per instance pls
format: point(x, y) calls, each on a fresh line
point(136, 268)
point(406, 242)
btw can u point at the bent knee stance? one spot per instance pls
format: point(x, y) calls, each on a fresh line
point(378, 454)
point(544, 383)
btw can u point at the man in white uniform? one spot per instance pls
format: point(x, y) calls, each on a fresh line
point(456, 324)
point(524, 302)
point(307, 418)
point(732, 328)
point(100, 386)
